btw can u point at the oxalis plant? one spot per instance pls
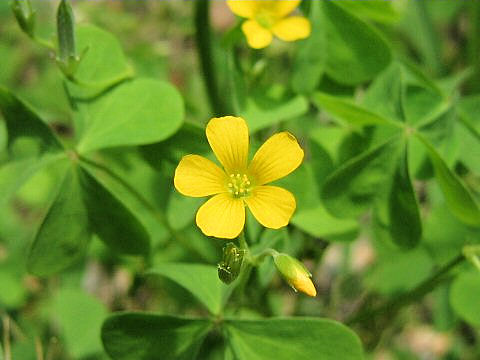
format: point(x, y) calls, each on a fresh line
point(323, 130)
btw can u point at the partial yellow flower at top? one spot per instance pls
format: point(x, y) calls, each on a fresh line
point(239, 184)
point(266, 18)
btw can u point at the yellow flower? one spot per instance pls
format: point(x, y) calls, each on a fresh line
point(239, 184)
point(266, 18)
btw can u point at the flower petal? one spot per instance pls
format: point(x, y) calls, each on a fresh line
point(305, 285)
point(280, 8)
point(197, 176)
point(257, 36)
point(222, 216)
point(243, 8)
point(228, 137)
point(292, 28)
point(276, 158)
point(272, 206)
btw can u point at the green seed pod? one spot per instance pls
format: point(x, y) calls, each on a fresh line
point(66, 35)
point(231, 264)
point(22, 9)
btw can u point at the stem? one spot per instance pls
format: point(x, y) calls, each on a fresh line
point(129, 73)
point(257, 259)
point(246, 267)
point(45, 43)
point(390, 308)
point(205, 55)
point(159, 214)
point(38, 348)
point(6, 338)
point(243, 243)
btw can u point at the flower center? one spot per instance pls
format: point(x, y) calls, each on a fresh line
point(265, 19)
point(239, 185)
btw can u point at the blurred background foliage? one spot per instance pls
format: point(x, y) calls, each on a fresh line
point(337, 92)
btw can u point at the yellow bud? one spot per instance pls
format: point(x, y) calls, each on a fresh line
point(295, 273)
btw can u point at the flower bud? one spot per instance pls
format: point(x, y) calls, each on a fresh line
point(295, 273)
point(231, 264)
point(22, 9)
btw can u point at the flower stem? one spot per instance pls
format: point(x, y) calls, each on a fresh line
point(6, 337)
point(159, 214)
point(206, 56)
point(390, 308)
point(257, 259)
point(243, 242)
point(45, 43)
point(246, 267)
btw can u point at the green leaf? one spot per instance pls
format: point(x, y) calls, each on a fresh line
point(22, 122)
point(469, 111)
point(348, 111)
point(377, 10)
point(399, 271)
point(356, 52)
point(469, 131)
point(64, 233)
point(80, 318)
point(440, 133)
point(423, 105)
point(443, 233)
point(421, 31)
point(142, 111)
point(457, 196)
point(320, 223)
point(141, 336)
point(292, 338)
point(404, 215)
point(111, 220)
point(15, 173)
point(12, 292)
point(352, 188)
point(259, 117)
point(190, 139)
point(310, 215)
point(181, 210)
point(201, 280)
point(104, 62)
point(464, 297)
point(385, 95)
point(309, 63)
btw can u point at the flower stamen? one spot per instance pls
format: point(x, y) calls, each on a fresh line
point(265, 19)
point(239, 185)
